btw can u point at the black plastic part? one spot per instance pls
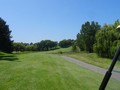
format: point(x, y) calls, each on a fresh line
point(109, 72)
point(105, 80)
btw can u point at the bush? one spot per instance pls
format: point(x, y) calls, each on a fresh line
point(60, 52)
point(75, 48)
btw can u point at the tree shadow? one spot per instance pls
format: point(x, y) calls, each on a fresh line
point(8, 57)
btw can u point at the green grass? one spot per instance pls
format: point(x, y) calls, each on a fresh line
point(90, 58)
point(39, 71)
point(43, 71)
point(61, 51)
point(93, 59)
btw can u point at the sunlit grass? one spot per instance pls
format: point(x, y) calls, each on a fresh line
point(91, 58)
point(61, 51)
point(43, 71)
point(40, 71)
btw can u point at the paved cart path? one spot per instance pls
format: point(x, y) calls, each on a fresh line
point(92, 67)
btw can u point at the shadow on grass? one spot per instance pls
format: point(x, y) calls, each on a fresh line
point(8, 57)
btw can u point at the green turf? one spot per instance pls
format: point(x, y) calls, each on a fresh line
point(41, 71)
point(91, 58)
point(61, 51)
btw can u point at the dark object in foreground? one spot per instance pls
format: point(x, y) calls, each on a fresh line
point(109, 72)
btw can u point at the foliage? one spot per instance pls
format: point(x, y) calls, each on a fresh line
point(107, 40)
point(5, 37)
point(102, 40)
point(75, 48)
point(86, 37)
point(66, 43)
point(18, 46)
point(46, 45)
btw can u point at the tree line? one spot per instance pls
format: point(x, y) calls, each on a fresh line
point(101, 40)
point(7, 45)
point(44, 45)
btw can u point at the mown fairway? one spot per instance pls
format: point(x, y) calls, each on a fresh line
point(41, 71)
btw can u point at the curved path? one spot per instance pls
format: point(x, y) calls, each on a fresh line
point(92, 67)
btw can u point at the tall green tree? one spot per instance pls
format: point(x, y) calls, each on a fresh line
point(107, 40)
point(5, 37)
point(86, 37)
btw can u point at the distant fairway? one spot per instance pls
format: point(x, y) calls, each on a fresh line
point(41, 71)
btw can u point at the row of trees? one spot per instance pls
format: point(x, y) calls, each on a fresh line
point(20, 46)
point(92, 38)
point(102, 40)
point(44, 45)
point(7, 45)
point(66, 43)
point(107, 40)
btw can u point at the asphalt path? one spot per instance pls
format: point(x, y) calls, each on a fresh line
point(115, 75)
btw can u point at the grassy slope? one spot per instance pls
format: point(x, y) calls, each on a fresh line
point(93, 59)
point(41, 71)
point(90, 58)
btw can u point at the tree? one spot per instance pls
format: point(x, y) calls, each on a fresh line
point(6, 44)
point(75, 48)
point(107, 40)
point(17, 46)
point(86, 37)
point(66, 43)
point(46, 45)
point(20, 46)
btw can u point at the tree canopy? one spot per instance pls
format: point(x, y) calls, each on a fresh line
point(46, 45)
point(102, 40)
point(43, 45)
point(5, 37)
point(66, 43)
point(107, 40)
point(86, 37)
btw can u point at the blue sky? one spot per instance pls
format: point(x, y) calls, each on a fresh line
point(36, 20)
